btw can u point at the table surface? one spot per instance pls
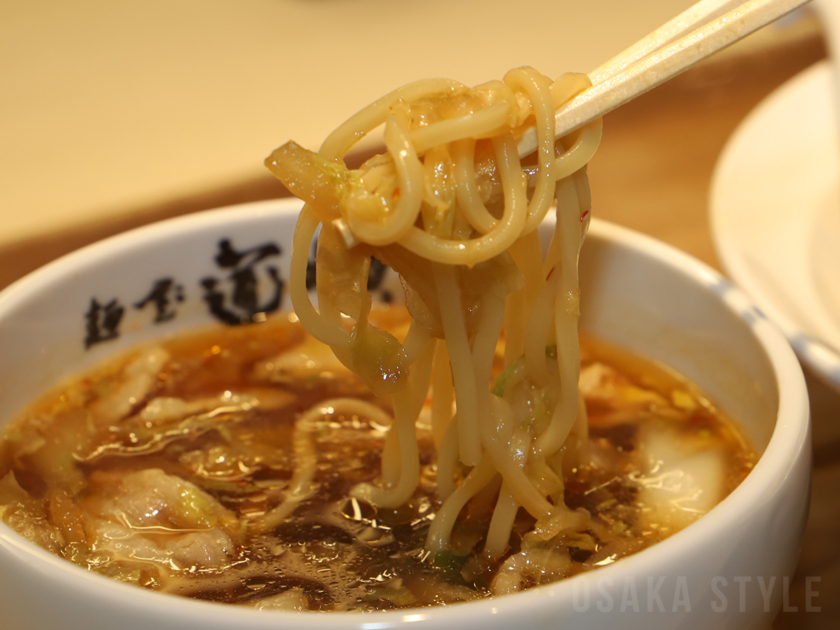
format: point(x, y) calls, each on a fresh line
point(657, 156)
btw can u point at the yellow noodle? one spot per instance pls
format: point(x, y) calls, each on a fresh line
point(535, 86)
point(443, 393)
point(424, 207)
point(483, 123)
point(516, 310)
point(447, 461)
point(316, 325)
point(415, 342)
point(397, 495)
point(421, 374)
point(500, 238)
point(340, 141)
point(526, 254)
point(520, 486)
point(469, 200)
point(541, 319)
point(501, 523)
point(353, 407)
point(441, 527)
point(463, 373)
point(578, 155)
point(301, 486)
point(390, 472)
point(410, 178)
point(566, 313)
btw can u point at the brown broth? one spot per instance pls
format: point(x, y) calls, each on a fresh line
point(72, 475)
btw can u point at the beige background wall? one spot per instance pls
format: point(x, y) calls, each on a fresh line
point(108, 106)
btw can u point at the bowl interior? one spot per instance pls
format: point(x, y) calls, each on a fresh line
point(198, 269)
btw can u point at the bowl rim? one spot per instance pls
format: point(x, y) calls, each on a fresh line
point(789, 439)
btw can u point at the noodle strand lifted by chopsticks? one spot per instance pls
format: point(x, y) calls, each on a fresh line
point(454, 210)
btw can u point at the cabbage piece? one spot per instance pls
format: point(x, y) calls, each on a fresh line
point(138, 380)
point(152, 499)
point(342, 274)
point(211, 549)
point(379, 359)
point(681, 478)
point(310, 177)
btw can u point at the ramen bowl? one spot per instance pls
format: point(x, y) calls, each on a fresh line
point(730, 568)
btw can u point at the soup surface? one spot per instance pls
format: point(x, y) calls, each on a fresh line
point(218, 465)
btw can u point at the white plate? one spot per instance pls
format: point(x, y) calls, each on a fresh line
point(775, 211)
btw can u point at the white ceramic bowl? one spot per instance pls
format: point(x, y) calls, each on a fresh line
point(727, 569)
